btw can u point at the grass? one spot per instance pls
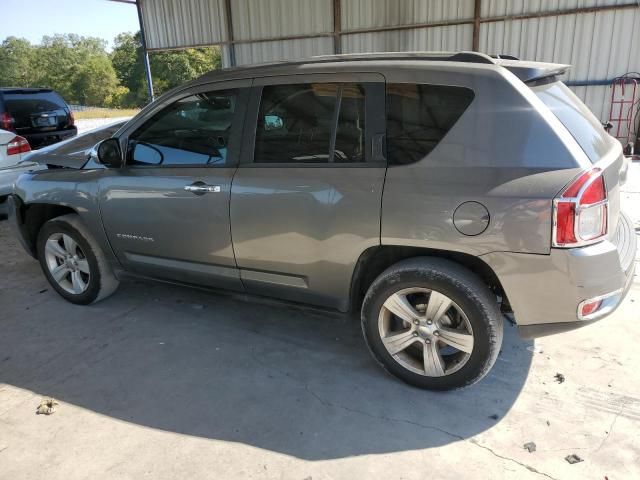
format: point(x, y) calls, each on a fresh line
point(105, 113)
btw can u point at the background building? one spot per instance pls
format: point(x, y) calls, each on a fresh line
point(598, 37)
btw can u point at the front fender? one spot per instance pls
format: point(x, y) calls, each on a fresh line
point(54, 192)
point(15, 213)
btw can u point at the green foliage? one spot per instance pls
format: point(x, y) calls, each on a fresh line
point(95, 82)
point(82, 71)
point(17, 63)
point(168, 69)
point(74, 66)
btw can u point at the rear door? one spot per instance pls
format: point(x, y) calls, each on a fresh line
point(305, 201)
point(166, 212)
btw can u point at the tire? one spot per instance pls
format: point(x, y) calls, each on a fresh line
point(95, 278)
point(473, 309)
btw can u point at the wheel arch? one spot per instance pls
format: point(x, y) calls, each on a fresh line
point(30, 217)
point(373, 261)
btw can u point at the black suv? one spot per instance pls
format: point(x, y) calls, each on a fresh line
point(39, 114)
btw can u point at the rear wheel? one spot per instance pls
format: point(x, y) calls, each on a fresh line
point(432, 323)
point(72, 261)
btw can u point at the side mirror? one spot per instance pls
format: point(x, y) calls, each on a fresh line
point(273, 122)
point(109, 153)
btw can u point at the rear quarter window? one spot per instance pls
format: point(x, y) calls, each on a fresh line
point(419, 116)
point(576, 117)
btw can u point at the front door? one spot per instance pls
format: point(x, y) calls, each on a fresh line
point(305, 202)
point(166, 212)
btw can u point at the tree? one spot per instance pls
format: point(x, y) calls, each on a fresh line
point(168, 69)
point(76, 67)
point(82, 71)
point(128, 64)
point(95, 81)
point(16, 63)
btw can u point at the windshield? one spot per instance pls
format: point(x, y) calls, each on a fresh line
point(576, 117)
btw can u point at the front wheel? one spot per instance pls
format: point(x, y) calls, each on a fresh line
point(73, 262)
point(432, 323)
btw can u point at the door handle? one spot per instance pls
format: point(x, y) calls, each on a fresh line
point(200, 188)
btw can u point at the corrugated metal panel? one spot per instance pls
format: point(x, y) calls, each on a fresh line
point(186, 23)
point(380, 13)
point(282, 50)
point(276, 18)
point(599, 46)
point(436, 38)
point(495, 8)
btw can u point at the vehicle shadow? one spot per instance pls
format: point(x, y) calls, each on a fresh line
point(287, 379)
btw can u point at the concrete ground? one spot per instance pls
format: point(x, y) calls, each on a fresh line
point(164, 382)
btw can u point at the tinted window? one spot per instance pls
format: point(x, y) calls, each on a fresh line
point(20, 104)
point(296, 123)
point(576, 117)
point(419, 116)
point(192, 131)
point(350, 132)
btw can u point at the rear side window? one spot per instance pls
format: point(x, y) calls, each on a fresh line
point(192, 131)
point(576, 117)
point(311, 123)
point(25, 104)
point(419, 116)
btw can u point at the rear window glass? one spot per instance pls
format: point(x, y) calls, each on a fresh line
point(576, 117)
point(20, 104)
point(419, 116)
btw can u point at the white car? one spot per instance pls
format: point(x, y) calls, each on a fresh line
point(71, 153)
point(12, 147)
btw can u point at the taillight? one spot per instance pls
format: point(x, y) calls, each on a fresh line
point(6, 121)
point(72, 119)
point(580, 212)
point(18, 145)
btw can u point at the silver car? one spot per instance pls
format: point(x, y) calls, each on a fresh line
point(434, 193)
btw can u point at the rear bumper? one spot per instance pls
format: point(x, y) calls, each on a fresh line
point(546, 290)
point(48, 138)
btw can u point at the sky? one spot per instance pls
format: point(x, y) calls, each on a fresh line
point(32, 19)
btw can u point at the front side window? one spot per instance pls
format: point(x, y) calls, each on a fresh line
point(419, 116)
point(190, 132)
point(311, 123)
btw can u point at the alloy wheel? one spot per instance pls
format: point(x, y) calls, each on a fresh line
point(67, 263)
point(425, 331)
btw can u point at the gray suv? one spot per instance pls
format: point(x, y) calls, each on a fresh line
point(434, 193)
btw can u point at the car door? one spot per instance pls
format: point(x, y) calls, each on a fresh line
point(166, 211)
point(305, 202)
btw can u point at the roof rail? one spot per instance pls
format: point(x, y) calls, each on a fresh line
point(504, 57)
point(467, 57)
point(471, 57)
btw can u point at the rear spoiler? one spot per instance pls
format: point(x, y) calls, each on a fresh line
point(530, 72)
